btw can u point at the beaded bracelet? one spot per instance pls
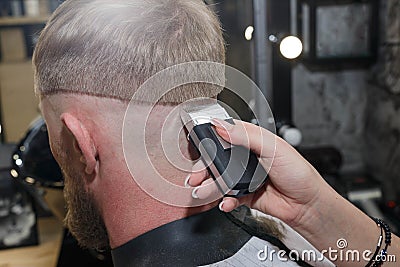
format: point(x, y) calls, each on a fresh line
point(388, 239)
point(378, 247)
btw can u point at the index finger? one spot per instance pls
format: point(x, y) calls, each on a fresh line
point(259, 140)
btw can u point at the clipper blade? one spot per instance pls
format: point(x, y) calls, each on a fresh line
point(192, 115)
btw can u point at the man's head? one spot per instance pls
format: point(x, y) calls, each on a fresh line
point(90, 59)
point(110, 47)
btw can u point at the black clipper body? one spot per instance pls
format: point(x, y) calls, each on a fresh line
point(238, 167)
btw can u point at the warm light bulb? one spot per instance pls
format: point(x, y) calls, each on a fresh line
point(291, 47)
point(248, 33)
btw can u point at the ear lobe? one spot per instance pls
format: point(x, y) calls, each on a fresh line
point(83, 142)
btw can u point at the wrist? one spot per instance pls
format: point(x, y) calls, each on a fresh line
point(321, 215)
point(331, 218)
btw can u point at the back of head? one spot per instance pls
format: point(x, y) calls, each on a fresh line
point(108, 48)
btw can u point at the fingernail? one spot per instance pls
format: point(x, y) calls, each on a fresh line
point(222, 124)
point(194, 193)
point(187, 181)
point(221, 206)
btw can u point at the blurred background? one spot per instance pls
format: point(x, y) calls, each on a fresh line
point(329, 69)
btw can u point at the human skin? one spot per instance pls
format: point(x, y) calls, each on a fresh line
point(85, 134)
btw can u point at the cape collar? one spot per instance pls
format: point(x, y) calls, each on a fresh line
point(200, 239)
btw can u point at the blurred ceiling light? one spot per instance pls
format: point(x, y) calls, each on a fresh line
point(248, 33)
point(273, 38)
point(291, 47)
point(18, 162)
point(14, 173)
point(30, 180)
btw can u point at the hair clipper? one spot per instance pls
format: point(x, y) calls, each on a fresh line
point(235, 169)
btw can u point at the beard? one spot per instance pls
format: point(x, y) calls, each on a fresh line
point(83, 218)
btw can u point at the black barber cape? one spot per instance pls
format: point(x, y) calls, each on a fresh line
point(212, 238)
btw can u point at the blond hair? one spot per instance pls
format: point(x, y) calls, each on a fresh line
point(109, 48)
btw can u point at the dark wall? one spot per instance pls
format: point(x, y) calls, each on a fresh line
point(329, 106)
point(382, 128)
point(358, 111)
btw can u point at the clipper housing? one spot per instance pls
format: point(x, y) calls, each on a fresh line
point(235, 169)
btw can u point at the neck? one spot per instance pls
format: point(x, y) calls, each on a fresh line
point(128, 212)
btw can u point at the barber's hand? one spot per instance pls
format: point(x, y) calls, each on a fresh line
point(293, 184)
point(296, 194)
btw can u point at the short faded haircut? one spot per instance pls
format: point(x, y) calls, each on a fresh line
point(108, 48)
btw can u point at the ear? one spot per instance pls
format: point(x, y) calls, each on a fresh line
point(82, 141)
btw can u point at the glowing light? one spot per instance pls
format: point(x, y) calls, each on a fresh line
point(273, 38)
point(291, 47)
point(248, 33)
point(18, 162)
point(14, 173)
point(29, 180)
point(391, 204)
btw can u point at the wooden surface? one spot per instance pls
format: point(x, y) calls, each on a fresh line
point(14, 21)
point(12, 43)
point(18, 101)
point(43, 255)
